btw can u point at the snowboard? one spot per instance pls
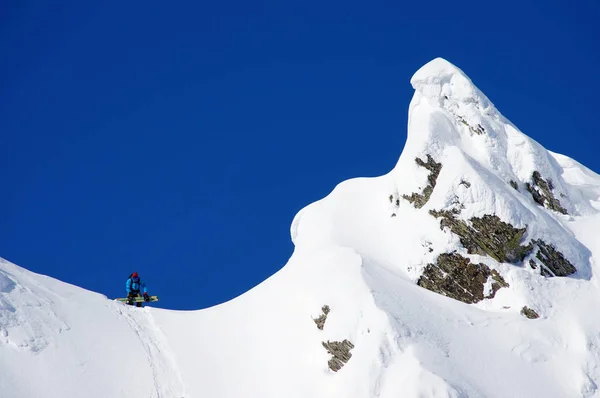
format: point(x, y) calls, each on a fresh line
point(139, 299)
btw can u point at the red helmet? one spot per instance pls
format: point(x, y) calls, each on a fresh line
point(134, 275)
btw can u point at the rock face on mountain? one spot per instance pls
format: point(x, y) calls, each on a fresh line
point(320, 320)
point(340, 352)
point(553, 260)
point(455, 276)
point(541, 191)
point(502, 231)
point(487, 236)
point(420, 199)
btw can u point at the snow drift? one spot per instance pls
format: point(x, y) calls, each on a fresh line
point(469, 270)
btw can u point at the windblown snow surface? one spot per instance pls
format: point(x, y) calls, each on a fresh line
point(58, 340)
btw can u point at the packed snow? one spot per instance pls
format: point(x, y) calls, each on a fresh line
point(360, 251)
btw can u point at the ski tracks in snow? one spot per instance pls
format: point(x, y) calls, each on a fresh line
point(168, 382)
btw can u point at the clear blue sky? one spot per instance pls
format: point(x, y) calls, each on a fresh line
point(179, 141)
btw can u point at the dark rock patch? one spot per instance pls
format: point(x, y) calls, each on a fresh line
point(541, 191)
point(514, 184)
point(490, 236)
point(543, 270)
point(529, 313)
point(427, 244)
point(487, 236)
point(553, 260)
point(479, 130)
point(457, 277)
point(533, 264)
point(320, 321)
point(456, 205)
point(340, 351)
point(395, 200)
point(419, 200)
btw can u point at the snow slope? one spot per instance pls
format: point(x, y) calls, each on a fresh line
point(361, 254)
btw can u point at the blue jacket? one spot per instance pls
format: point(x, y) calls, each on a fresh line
point(132, 286)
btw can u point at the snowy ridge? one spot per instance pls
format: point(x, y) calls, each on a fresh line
point(73, 340)
point(360, 251)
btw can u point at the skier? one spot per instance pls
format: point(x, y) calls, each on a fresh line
point(134, 285)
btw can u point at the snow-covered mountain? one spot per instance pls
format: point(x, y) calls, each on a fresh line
point(469, 270)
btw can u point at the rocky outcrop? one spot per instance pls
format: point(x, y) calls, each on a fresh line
point(340, 351)
point(490, 236)
point(529, 313)
point(553, 261)
point(541, 191)
point(514, 184)
point(320, 321)
point(487, 236)
point(543, 270)
point(457, 277)
point(419, 200)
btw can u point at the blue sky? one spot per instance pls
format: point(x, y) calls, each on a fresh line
point(179, 141)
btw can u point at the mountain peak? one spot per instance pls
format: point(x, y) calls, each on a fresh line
point(437, 67)
point(440, 81)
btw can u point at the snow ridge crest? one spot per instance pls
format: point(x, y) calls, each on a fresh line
point(440, 80)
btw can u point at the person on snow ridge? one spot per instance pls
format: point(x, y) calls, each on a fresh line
point(134, 285)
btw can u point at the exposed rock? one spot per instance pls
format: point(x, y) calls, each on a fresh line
point(427, 244)
point(490, 236)
point(529, 313)
point(541, 191)
point(433, 167)
point(475, 130)
point(340, 351)
point(456, 277)
point(514, 184)
point(487, 236)
point(465, 183)
point(553, 260)
point(457, 206)
point(462, 120)
point(320, 321)
point(543, 270)
point(395, 201)
point(420, 199)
